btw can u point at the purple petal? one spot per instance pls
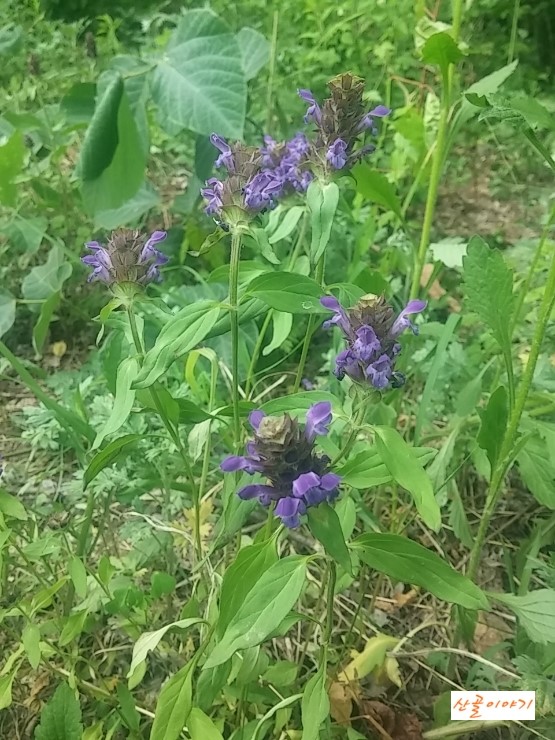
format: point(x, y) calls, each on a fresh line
point(318, 417)
point(379, 372)
point(304, 483)
point(329, 301)
point(236, 462)
point(255, 490)
point(255, 417)
point(337, 154)
point(289, 509)
point(380, 111)
point(402, 322)
point(329, 481)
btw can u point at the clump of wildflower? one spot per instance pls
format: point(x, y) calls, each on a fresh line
point(371, 330)
point(340, 122)
point(247, 189)
point(297, 476)
point(128, 257)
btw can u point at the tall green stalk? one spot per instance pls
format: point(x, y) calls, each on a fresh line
point(312, 319)
point(234, 319)
point(505, 454)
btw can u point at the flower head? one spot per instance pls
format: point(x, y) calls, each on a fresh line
point(128, 257)
point(286, 162)
point(339, 123)
point(371, 329)
point(297, 477)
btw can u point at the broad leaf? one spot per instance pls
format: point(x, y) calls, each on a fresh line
point(255, 51)
point(488, 286)
point(40, 330)
point(537, 470)
point(535, 611)
point(405, 468)
point(287, 291)
point(201, 727)
point(282, 324)
point(101, 139)
point(266, 605)
point(322, 200)
point(61, 717)
point(494, 424)
point(199, 82)
point(442, 50)
point(409, 562)
point(286, 225)
point(376, 187)
point(44, 280)
point(123, 401)
point(315, 705)
point(324, 524)
point(107, 456)
point(174, 704)
point(11, 506)
point(183, 331)
point(7, 311)
point(12, 154)
point(131, 211)
point(149, 640)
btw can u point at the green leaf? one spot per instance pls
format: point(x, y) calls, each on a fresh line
point(286, 225)
point(40, 330)
point(44, 280)
point(11, 39)
point(61, 717)
point(107, 456)
point(494, 424)
point(255, 51)
point(123, 400)
point(315, 705)
point(6, 683)
point(30, 637)
point(324, 524)
point(297, 402)
point(121, 178)
point(322, 200)
point(148, 641)
point(201, 727)
point(11, 506)
point(266, 605)
point(537, 470)
point(240, 577)
point(376, 187)
point(535, 611)
point(442, 50)
point(488, 287)
point(73, 627)
point(101, 139)
point(407, 471)
point(182, 333)
point(199, 82)
point(492, 82)
point(161, 584)
point(450, 251)
point(7, 311)
point(174, 705)
point(12, 154)
point(78, 103)
point(131, 211)
point(78, 574)
point(282, 323)
point(408, 562)
point(26, 234)
point(287, 291)
point(127, 709)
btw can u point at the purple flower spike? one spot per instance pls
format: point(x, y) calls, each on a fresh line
point(337, 154)
point(226, 156)
point(127, 258)
point(318, 417)
point(284, 454)
point(314, 111)
point(371, 329)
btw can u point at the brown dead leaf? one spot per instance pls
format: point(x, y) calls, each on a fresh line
point(395, 725)
point(39, 683)
point(490, 631)
point(341, 702)
point(436, 290)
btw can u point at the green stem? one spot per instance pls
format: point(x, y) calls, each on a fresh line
point(312, 319)
point(355, 427)
point(431, 198)
point(332, 577)
point(271, 73)
point(174, 434)
point(504, 459)
point(514, 30)
point(234, 318)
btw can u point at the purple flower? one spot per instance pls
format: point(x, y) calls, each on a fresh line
point(367, 121)
point(262, 191)
point(370, 329)
point(314, 112)
point(284, 454)
point(226, 156)
point(337, 154)
point(128, 257)
point(213, 195)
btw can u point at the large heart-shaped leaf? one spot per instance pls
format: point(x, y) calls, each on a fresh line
point(199, 82)
point(44, 280)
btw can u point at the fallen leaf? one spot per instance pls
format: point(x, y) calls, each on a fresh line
point(341, 702)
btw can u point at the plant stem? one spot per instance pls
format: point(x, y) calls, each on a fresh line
point(312, 319)
point(271, 73)
point(234, 318)
point(514, 30)
point(174, 434)
point(332, 577)
point(504, 459)
point(355, 427)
